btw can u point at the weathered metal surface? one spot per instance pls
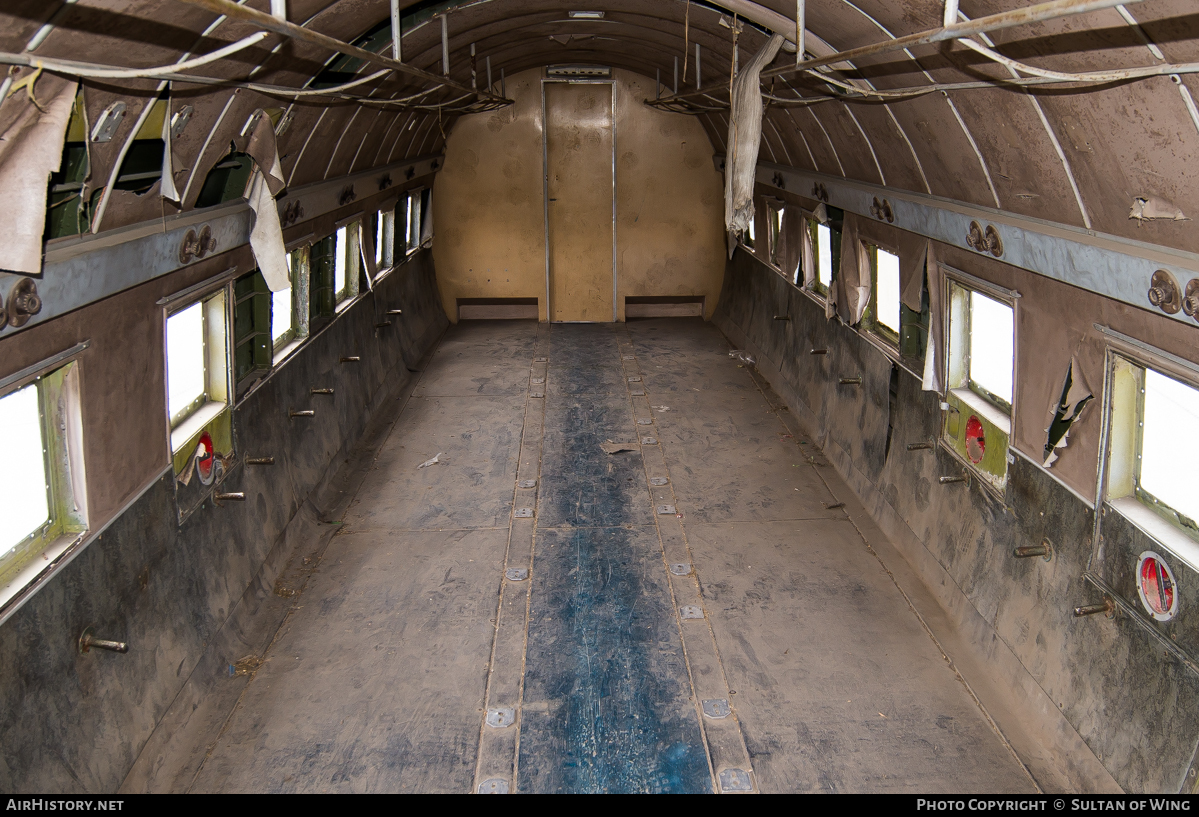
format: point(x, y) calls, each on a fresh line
point(606, 691)
point(961, 540)
point(78, 272)
point(157, 708)
point(1109, 265)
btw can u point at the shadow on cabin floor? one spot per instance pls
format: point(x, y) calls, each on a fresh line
point(695, 613)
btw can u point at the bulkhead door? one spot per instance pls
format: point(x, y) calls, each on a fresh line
point(580, 142)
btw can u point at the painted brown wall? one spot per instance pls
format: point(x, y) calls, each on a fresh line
point(489, 209)
point(123, 374)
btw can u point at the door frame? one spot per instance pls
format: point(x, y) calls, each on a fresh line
point(545, 188)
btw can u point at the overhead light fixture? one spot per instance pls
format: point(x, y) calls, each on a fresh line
point(585, 15)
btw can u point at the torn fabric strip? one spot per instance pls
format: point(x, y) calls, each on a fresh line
point(745, 136)
point(1075, 394)
point(266, 236)
point(934, 353)
point(31, 143)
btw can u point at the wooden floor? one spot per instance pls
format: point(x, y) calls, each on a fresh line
point(532, 613)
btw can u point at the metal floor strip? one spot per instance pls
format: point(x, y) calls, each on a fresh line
point(728, 756)
point(499, 737)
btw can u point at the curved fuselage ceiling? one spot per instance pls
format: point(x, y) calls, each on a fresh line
point(1076, 153)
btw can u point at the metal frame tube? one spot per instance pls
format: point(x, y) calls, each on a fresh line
point(994, 22)
point(267, 22)
point(397, 32)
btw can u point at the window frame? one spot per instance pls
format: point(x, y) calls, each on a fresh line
point(961, 400)
point(870, 320)
point(415, 221)
point(383, 224)
point(958, 286)
point(218, 365)
point(351, 257)
point(818, 288)
point(298, 269)
point(60, 422)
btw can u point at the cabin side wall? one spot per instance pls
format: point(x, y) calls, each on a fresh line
point(1093, 694)
point(190, 599)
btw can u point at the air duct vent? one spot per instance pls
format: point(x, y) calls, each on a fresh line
point(578, 71)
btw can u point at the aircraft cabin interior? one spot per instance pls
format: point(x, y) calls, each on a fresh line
point(531, 396)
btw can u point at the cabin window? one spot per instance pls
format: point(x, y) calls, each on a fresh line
point(426, 217)
point(39, 505)
point(320, 275)
point(883, 317)
point(283, 310)
point(197, 379)
point(981, 356)
point(346, 263)
point(385, 222)
point(1166, 476)
point(826, 243)
point(991, 349)
point(412, 233)
point(1151, 471)
point(774, 219)
point(340, 265)
point(334, 267)
point(253, 347)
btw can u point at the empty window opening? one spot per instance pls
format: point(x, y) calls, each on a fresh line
point(339, 264)
point(385, 239)
point(23, 483)
point(346, 263)
point(283, 328)
point(981, 357)
point(1151, 476)
point(992, 348)
point(1166, 474)
point(426, 217)
point(197, 372)
point(886, 290)
point(412, 230)
point(41, 511)
point(825, 243)
point(185, 362)
point(883, 316)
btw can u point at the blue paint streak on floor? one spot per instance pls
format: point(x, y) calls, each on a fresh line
point(606, 703)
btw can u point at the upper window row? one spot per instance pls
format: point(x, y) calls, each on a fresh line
point(203, 370)
point(1149, 467)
